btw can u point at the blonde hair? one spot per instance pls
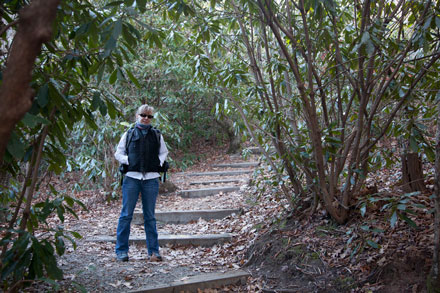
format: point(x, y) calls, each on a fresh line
point(145, 108)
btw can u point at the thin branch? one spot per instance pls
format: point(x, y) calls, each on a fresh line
point(6, 27)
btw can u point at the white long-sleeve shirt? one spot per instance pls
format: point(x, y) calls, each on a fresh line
point(122, 157)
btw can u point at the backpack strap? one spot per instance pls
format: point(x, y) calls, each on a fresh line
point(128, 138)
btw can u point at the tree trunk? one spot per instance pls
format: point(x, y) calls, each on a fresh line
point(412, 173)
point(4, 183)
point(16, 95)
point(234, 140)
point(434, 280)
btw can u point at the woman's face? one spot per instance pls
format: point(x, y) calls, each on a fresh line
point(145, 117)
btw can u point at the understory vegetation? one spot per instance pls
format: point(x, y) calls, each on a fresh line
point(332, 92)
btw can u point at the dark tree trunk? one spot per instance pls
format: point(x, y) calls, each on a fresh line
point(4, 182)
point(434, 279)
point(16, 95)
point(234, 144)
point(412, 173)
point(234, 140)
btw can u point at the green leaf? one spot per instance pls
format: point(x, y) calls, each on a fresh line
point(36, 267)
point(76, 235)
point(120, 75)
point(50, 263)
point(103, 109)
point(413, 144)
point(140, 4)
point(71, 211)
point(100, 73)
point(43, 95)
point(420, 206)
point(70, 201)
point(363, 209)
point(113, 77)
point(401, 207)
point(117, 29)
point(60, 246)
point(427, 23)
point(373, 244)
point(96, 101)
point(393, 219)
point(32, 120)
point(133, 78)
point(15, 147)
point(128, 36)
point(114, 3)
point(112, 111)
point(377, 230)
point(408, 220)
point(110, 45)
point(60, 213)
point(157, 40)
point(429, 152)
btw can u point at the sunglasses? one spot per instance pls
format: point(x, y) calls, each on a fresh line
point(145, 115)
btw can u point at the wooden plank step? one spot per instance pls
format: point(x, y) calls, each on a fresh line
point(219, 173)
point(254, 150)
point(194, 193)
point(220, 181)
point(236, 165)
point(181, 217)
point(196, 240)
point(200, 282)
point(257, 151)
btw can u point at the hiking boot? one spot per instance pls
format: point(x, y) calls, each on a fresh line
point(122, 256)
point(155, 257)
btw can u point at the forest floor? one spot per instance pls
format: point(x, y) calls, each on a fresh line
point(283, 251)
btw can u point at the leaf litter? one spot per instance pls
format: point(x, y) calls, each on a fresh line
point(281, 250)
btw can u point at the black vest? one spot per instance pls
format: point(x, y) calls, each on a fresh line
point(143, 151)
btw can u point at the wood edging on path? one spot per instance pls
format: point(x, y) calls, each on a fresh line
point(217, 173)
point(196, 240)
point(193, 193)
point(202, 281)
point(186, 216)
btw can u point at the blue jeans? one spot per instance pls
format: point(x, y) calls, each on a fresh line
point(130, 193)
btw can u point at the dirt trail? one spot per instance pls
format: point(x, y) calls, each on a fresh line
point(94, 267)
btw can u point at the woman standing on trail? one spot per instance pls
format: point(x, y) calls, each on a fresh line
point(143, 150)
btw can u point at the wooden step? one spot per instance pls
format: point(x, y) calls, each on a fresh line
point(182, 217)
point(220, 181)
point(257, 150)
point(194, 193)
point(196, 240)
point(219, 173)
point(200, 282)
point(236, 165)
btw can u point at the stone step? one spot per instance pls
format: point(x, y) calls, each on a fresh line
point(257, 151)
point(236, 165)
point(200, 282)
point(220, 181)
point(254, 150)
point(196, 240)
point(182, 217)
point(194, 193)
point(220, 173)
